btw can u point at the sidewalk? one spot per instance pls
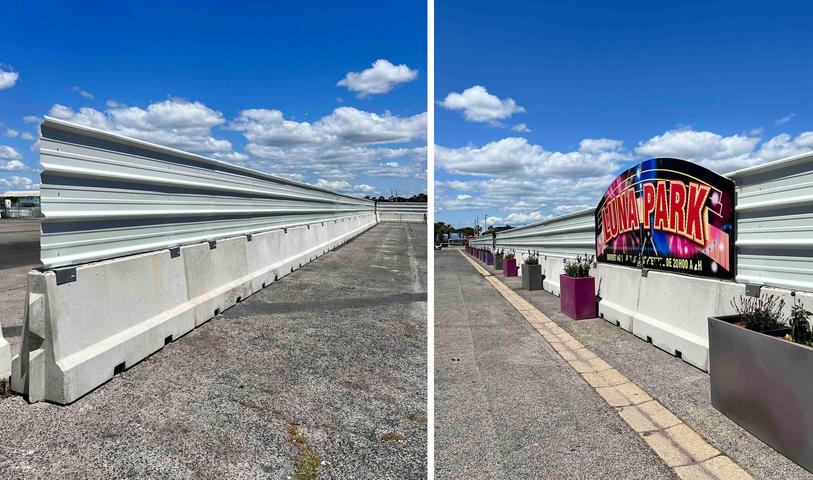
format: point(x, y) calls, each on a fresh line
point(556, 390)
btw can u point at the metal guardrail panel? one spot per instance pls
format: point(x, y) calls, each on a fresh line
point(775, 223)
point(105, 195)
point(566, 236)
point(402, 207)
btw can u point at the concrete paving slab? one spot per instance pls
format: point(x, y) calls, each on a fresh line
point(334, 352)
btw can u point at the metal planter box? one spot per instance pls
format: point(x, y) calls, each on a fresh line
point(489, 258)
point(531, 277)
point(577, 296)
point(498, 261)
point(765, 385)
point(509, 267)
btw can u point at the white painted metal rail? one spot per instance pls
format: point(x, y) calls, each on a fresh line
point(401, 207)
point(775, 223)
point(105, 195)
point(566, 236)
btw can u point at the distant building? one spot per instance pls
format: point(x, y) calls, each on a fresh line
point(21, 204)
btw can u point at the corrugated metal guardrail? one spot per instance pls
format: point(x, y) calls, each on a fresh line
point(775, 223)
point(105, 195)
point(401, 207)
point(565, 236)
point(774, 208)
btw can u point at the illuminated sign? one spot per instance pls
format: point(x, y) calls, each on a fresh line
point(668, 214)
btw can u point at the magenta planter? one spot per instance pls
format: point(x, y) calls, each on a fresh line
point(490, 258)
point(509, 267)
point(578, 296)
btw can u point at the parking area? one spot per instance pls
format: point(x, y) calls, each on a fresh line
point(324, 370)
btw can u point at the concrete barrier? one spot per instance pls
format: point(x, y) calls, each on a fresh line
point(402, 217)
point(671, 310)
point(77, 334)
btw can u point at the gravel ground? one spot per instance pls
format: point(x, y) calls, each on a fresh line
point(507, 405)
point(327, 365)
point(680, 387)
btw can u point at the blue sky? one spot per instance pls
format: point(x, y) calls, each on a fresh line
point(551, 100)
point(325, 93)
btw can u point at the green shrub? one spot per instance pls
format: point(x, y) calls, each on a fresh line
point(532, 260)
point(760, 313)
point(580, 267)
point(799, 324)
point(509, 255)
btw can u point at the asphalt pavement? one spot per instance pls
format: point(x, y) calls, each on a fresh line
point(528, 393)
point(323, 370)
point(19, 253)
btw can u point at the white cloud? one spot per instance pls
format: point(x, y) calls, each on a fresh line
point(521, 128)
point(32, 119)
point(382, 77)
point(515, 156)
point(85, 94)
point(8, 77)
point(26, 136)
point(174, 123)
point(523, 218)
point(10, 133)
point(494, 220)
point(114, 104)
point(8, 153)
point(333, 185)
point(346, 125)
point(346, 187)
point(19, 183)
point(785, 119)
point(480, 106)
point(463, 196)
point(12, 165)
point(597, 145)
point(724, 154)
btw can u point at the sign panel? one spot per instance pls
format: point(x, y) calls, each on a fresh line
point(668, 214)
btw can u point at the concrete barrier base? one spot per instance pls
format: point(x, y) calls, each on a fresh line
point(79, 334)
point(402, 217)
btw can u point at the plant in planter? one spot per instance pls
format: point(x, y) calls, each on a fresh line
point(509, 265)
point(760, 373)
point(531, 273)
point(498, 260)
point(577, 289)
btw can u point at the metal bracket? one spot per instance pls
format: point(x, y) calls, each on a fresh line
point(212, 244)
point(752, 289)
point(249, 237)
point(284, 230)
point(65, 275)
point(174, 252)
point(644, 272)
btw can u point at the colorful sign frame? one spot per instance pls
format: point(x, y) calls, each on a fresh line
point(668, 214)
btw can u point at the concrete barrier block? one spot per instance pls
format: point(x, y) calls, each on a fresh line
point(216, 276)
point(263, 252)
point(116, 313)
point(552, 267)
point(619, 289)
